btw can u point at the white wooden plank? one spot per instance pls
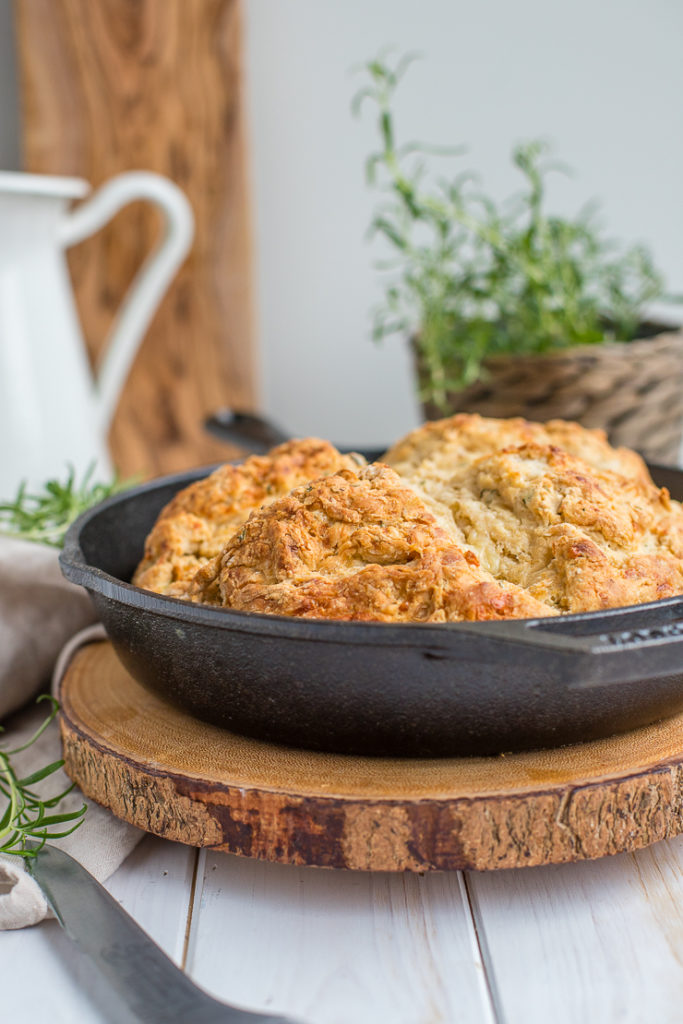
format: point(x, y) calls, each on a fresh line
point(154, 885)
point(330, 947)
point(44, 978)
point(599, 941)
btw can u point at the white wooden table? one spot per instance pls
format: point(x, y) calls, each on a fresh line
point(597, 941)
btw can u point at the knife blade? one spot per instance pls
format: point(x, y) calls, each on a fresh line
point(151, 987)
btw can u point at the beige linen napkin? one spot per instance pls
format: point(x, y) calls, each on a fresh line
point(39, 612)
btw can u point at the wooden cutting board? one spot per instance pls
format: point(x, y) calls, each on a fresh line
point(154, 85)
point(182, 779)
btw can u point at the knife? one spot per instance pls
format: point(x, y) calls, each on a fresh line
point(149, 985)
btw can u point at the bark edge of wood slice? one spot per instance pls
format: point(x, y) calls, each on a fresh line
point(170, 774)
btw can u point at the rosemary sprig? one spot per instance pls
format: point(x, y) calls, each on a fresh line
point(27, 817)
point(46, 516)
point(28, 820)
point(470, 277)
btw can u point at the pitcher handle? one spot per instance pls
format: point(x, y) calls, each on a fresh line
point(152, 280)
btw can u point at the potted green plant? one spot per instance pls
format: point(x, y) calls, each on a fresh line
point(511, 310)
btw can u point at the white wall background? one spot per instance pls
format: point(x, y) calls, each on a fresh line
point(603, 81)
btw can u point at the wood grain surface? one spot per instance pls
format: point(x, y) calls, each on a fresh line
point(157, 85)
point(182, 779)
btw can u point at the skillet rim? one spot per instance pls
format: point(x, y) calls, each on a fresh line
point(551, 632)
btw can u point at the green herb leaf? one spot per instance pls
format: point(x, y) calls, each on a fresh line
point(46, 516)
point(24, 817)
point(474, 278)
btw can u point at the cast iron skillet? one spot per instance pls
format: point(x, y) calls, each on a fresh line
point(378, 688)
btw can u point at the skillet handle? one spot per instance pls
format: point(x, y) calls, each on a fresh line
point(643, 642)
point(622, 631)
point(253, 433)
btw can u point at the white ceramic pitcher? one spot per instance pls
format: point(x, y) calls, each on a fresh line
point(53, 411)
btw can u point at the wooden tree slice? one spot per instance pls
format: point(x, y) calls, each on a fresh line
point(182, 779)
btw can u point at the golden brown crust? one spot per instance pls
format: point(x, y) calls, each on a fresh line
point(199, 521)
point(576, 538)
point(487, 519)
point(356, 546)
point(441, 447)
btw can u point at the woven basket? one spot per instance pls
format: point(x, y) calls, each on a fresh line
point(633, 390)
